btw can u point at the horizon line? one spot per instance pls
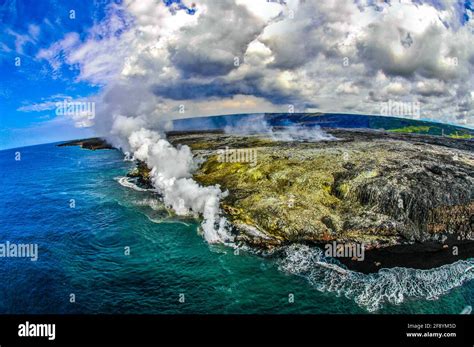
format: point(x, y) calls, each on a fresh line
point(256, 113)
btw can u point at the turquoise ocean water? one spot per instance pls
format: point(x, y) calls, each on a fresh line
point(82, 252)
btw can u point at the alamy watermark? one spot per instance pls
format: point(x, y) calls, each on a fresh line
point(237, 155)
point(400, 108)
point(76, 109)
point(28, 329)
point(19, 250)
point(345, 250)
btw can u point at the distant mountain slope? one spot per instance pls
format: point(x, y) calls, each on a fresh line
point(328, 120)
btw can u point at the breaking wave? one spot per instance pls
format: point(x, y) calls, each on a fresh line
point(127, 182)
point(372, 291)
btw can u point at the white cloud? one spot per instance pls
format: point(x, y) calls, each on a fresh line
point(396, 88)
point(347, 88)
point(80, 110)
point(22, 39)
point(39, 107)
point(431, 88)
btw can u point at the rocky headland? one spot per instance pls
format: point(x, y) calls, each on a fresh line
point(92, 144)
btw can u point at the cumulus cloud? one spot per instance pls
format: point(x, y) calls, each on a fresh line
point(325, 56)
point(210, 47)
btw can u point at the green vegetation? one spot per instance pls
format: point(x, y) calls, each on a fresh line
point(421, 129)
point(432, 130)
point(458, 135)
point(405, 125)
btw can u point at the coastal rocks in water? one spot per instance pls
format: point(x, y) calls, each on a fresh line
point(142, 174)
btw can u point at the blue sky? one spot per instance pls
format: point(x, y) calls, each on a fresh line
point(148, 59)
point(27, 26)
point(30, 85)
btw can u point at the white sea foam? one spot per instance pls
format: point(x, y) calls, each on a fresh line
point(166, 221)
point(126, 182)
point(372, 291)
point(154, 204)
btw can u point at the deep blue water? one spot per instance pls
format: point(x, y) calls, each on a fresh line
point(81, 252)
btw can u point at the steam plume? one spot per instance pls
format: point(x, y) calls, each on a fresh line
point(293, 132)
point(171, 174)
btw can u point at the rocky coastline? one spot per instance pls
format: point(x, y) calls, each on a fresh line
point(408, 198)
point(92, 144)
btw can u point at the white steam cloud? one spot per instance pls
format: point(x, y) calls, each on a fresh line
point(293, 132)
point(171, 172)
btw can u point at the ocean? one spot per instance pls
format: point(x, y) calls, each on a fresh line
point(106, 247)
